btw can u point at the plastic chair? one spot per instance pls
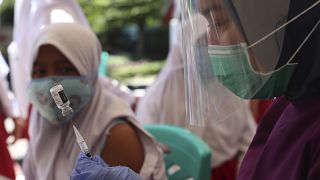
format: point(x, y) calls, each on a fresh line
point(103, 63)
point(189, 157)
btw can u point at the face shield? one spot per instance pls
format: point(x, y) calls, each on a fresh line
point(234, 47)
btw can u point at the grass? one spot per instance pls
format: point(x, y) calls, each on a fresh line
point(133, 73)
point(117, 60)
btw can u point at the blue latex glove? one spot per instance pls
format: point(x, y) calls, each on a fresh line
point(96, 168)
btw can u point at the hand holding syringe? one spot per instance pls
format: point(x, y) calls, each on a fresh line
point(104, 170)
point(63, 103)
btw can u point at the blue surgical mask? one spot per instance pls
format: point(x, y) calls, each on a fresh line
point(231, 66)
point(79, 91)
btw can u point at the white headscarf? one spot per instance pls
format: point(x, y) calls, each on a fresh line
point(53, 149)
point(29, 17)
point(164, 102)
point(8, 101)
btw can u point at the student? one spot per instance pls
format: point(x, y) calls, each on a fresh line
point(70, 54)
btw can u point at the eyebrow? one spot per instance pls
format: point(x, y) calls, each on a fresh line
point(36, 62)
point(214, 7)
point(64, 60)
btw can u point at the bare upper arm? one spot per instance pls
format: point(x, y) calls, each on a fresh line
point(124, 147)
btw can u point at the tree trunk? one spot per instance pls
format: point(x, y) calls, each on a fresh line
point(140, 43)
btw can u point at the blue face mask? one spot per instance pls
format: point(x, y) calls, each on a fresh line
point(79, 91)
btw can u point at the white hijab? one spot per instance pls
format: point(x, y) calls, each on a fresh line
point(164, 102)
point(29, 17)
point(8, 101)
point(53, 149)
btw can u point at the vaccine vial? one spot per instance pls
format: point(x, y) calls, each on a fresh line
point(61, 99)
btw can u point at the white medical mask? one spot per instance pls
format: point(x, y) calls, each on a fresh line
point(79, 91)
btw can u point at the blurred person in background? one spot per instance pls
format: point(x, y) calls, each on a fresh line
point(120, 91)
point(9, 108)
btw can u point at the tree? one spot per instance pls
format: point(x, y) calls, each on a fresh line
point(6, 24)
point(107, 15)
point(6, 13)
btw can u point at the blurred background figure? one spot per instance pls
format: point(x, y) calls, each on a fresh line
point(164, 103)
point(9, 108)
point(119, 90)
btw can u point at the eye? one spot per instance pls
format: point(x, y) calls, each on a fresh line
point(68, 70)
point(222, 23)
point(38, 72)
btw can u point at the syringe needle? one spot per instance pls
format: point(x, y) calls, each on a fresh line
point(83, 146)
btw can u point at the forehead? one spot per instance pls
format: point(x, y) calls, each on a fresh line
point(49, 55)
point(49, 51)
point(206, 5)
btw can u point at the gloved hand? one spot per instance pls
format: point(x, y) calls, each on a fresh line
point(96, 168)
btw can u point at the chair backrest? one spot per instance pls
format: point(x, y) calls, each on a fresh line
point(103, 69)
point(189, 157)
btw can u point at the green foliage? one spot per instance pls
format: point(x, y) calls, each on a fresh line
point(105, 15)
point(6, 12)
point(131, 70)
point(121, 68)
point(117, 60)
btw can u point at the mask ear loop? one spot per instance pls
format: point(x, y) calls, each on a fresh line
point(285, 24)
point(304, 41)
point(301, 45)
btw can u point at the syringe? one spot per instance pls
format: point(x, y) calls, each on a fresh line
point(63, 103)
point(83, 146)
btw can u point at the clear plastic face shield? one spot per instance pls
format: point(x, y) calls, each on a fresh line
point(233, 48)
